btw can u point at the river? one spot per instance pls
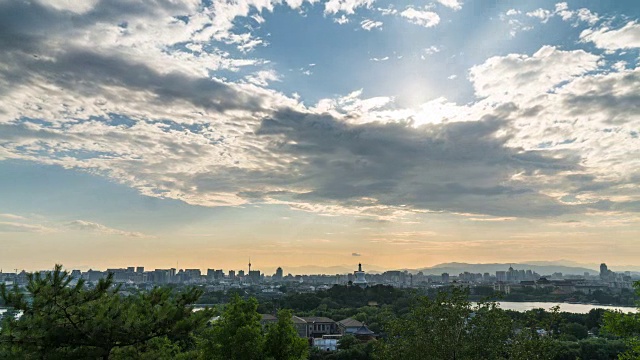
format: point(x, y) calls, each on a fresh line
point(566, 307)
point(524, 306)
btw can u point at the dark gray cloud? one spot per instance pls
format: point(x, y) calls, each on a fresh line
point(33, 50)
point(462, 167)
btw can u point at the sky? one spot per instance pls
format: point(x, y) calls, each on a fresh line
point(198, 134)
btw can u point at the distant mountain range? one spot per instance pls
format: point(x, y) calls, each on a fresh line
point(454, 268)
point(542, 268)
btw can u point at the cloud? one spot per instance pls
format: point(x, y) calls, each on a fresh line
point(368, 24)
point(421, 17)
point(541, 14)
point(101, 229)
point(263, 77)
point(346, 164)
point(627, 37)
point(83, 90)
point(11, 227)
point(346, 6)
point(341, 20)
point(453, 4)
point(12, 217)
point(355, 254)
point(432, 50)
point(527, 76)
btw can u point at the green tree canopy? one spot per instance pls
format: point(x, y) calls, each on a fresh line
point(282, 341)
point(237, 334)
point(63, 320)
point(626, 326)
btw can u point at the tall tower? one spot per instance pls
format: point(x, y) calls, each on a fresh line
point(249, 265)
point(360, 277)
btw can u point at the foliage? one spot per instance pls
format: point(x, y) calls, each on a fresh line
point(61, 320)
point(236, 335)
point(448, 327)
point(626, 326)
point(282, 341)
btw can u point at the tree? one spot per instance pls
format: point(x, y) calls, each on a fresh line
point(448, 327)
point(282, 341)
point(236, 335)
point(626, 326)
point(61, 320)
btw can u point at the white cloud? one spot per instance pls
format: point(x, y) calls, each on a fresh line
point(387, 11)
point(101, 229)
point(421, 17)
point(12, 217)
point(514, 77)
point(380, 59)
point(580, 15)
point(341, 20)
point(541, 14)
point(627, 37)
point(11, 227)
point(263, 77)
point(432, 50)
point(585, 15)
point(453, 4)
point(368, 24)
point(346, 6)
point(513, 12)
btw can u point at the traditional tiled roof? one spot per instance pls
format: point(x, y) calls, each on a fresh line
point(317, 319)
point(349, 322)
point(363, 330)
point(298, 320)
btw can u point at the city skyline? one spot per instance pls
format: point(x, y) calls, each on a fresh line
point(546, 267)
point(395, 134)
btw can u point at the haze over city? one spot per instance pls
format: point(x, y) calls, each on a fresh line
point(198, 134)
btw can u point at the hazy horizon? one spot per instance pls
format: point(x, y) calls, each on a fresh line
point(300, 132)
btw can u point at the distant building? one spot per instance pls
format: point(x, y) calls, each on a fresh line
point(501, 276)
point(219, 274)
point(211, 274)
point(445, 278)
point(352, 327)
point(360, 277)
point(326, 344)
point(255, 276)
point(140, 269)
point(279, 274)
point(319, 326)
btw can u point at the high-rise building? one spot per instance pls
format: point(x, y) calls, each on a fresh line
point(219, 274)
point(501, 276)
point(445, 278)
point(255, 276)
point(279, 274)
point(604, 271)
point(232, 274)
point(241, 273)
point(140, 269)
